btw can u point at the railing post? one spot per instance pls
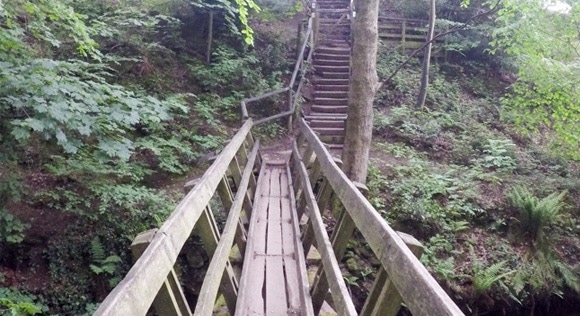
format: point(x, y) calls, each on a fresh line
point(299, 40)
point(383, 298)
point(404, 35)
point(170, 300)
point(290, 108)
point(315, 28)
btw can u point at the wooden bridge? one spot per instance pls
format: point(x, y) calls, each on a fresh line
point(277, 209)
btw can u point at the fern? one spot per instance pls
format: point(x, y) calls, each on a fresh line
point(102, 264)
point(535, 214)
point(97, 250)
point(484, 279)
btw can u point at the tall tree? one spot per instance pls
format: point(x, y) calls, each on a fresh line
point(427, 58)
point(363, 86)
point(542, 37)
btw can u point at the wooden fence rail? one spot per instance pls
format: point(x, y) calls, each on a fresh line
point(407, 277)
point(408, 34)
point(152, 279)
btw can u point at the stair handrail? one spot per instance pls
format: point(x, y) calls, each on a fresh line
point(299, 68)
point(415, 285)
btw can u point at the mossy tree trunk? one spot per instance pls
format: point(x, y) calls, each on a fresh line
point(363, 86)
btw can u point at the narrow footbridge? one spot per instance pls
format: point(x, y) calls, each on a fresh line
point(278, 209)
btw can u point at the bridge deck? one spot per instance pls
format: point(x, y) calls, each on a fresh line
point(275, 282)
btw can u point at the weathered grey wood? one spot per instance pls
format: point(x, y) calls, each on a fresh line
point(275, 283)
point(305, 298)
point(383, 299)
point(301, 55)
point(135, 293)
point(291, 268)
point(419, 290)
point(343, 301)
point(248, 301)
point(226, 196)
point(211, 283)
point(170, 301)
point(340, 237)
point(208, 231)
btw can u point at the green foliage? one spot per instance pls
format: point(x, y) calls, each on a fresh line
point(499, 155)
point(102, 264)
point(231, 70)
point(11, 229)
point(485, 277)
point(543, 274)
point(234, 10)
point(16, 303)
point(544, 44)
point(80, 105)
point(536, 215)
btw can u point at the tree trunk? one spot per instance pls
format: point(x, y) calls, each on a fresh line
point(363, 86)
point(427, 59)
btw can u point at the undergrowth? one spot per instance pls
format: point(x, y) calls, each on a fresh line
point(488, 203)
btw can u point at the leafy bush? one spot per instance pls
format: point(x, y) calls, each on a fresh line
point(19, 304)
point(499, 155)
point(536, 215)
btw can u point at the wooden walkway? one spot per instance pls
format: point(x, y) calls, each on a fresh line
point(277, 282)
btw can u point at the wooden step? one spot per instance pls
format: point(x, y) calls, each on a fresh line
point(325, 117)
point(333, 50)
point(327, 123)
point(332, 82)
point(332, 131)
point(337, 69)
point(332, 139)
point(336, 109)
point(335, 146)
point(331, 101)
point(335, 36)
point(335, 75)
point(341, 88)
point(334, 43)
point(330, 56)
point(331, 94)
point(330, 62)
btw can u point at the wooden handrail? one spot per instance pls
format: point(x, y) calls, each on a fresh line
point(418, 289)
point(136, 292)
point(289, 87)
point(210, 286)
point(342, 300)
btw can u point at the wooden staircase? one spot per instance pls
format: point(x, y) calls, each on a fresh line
point(331, 77)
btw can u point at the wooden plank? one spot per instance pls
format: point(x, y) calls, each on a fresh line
point(148, 274)
point(275, 283)
point(419, 290)
point(340, 294)
point(211, 283)
point(250, 299)
point(289, 248)
point(305, 298)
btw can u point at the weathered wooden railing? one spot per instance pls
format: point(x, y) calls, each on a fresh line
point(152, 280)
point(402, 278)
point(408, 34)
point(294, 87)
